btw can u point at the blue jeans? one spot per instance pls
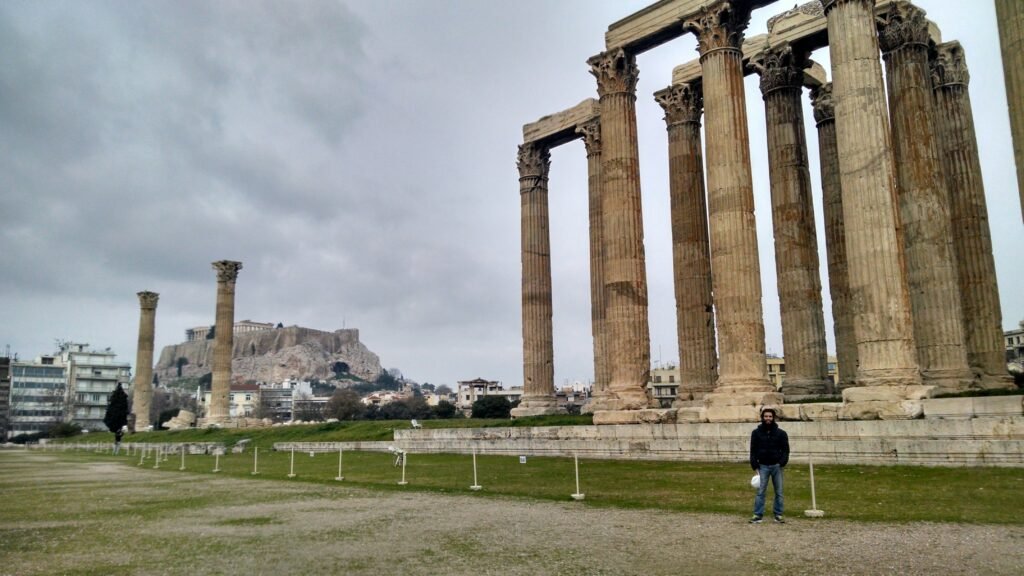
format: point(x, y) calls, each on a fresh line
point(773, 471)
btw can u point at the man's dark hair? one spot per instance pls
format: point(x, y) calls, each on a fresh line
point(772, 410)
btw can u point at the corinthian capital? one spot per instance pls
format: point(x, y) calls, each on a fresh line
point(227, 270)
point(821, 100)
point(949, 66)
point(781, 67)
point(534, 160)
point(615, 71)
point(904, 25)
point(827, 5)
point(719, 26)
point(591, 132)
point(148, 300)
point(681, 102)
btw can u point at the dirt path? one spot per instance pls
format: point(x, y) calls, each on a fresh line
point(92, 518)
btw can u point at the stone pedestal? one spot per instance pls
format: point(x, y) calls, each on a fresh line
point(881, 307)
point(796, 245)
point(625, 274)
point(736, 272)
point(835, 236)
point(223, 342)
point(643, 416)
point(142, 390)
point(972, 240)
point(923, 201)
point(691, 252)
point(1010, 16)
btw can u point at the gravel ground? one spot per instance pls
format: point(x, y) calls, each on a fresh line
point(180, 523)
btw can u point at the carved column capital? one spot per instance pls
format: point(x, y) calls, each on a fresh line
point(591, 132)
point(615, 71)
point(534, 160)
point(904, 25)
point(148, 300)
point(821, 101)
point(827, 5)
point(720, 26)
point(227, 270)
point(948, 65)
point(682, 103)
point(781, 67)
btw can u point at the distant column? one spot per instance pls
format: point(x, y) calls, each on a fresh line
point(796, 242)
point(142, 391)
point(972, 240)
point(736, 271)
point(691, 251)
point(223, 341)
point(625, 274)
point(1010, 16)
point(887, 374)
point(923, 201)
point(591, 132)
point(538, 351)
point(835, 236)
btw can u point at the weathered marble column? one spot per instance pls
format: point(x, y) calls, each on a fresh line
point(972, 241)
point(591, 132)
point(888, 379)
point(142, 391)
point(691, 251)
point(923, 201)
point(835, 235)
point(796, 243)
point(1010, 16)
point(736, 273)
point(223, 341)
point(538, 351)
point(625, 275)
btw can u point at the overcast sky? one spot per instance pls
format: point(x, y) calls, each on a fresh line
point(358, 157)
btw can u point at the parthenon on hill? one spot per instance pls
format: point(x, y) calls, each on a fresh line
point(909, 253)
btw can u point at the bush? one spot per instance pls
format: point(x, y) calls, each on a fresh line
point(444, 410)
point(492, 407)
point(64, 430)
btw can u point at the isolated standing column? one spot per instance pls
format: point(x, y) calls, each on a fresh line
point(223, 341)
point(142, 391)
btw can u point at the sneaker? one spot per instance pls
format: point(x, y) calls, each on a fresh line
point(779, 519)
point(755, 519)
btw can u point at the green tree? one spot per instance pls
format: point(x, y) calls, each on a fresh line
point(492, 407)
point(117, 410)
point(444, 410)
point(345, 405)
point(179, 363)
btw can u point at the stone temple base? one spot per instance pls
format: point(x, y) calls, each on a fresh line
point(524, 411)
point(645, 416)
point(234, 423)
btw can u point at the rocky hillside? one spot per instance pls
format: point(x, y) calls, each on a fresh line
point(274, 355)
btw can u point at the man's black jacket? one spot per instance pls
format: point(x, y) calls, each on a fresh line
point(769, 444)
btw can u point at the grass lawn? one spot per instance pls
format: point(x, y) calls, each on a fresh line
point(859, 493)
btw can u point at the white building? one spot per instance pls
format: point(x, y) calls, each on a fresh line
point(92, 375)
point(472, 390)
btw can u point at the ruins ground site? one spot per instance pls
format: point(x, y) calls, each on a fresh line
point(72, 515)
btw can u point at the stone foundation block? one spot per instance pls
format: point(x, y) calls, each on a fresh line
point(788, 412)
point(882, 410)
point(886, 393)
point(646, 416)
point(524, 411)
point(961, 408)
point(744, 398)
point(820, 411)
point(691, 414)
point(750, 414)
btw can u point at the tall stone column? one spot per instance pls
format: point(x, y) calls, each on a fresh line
point(1010, 16)
point(538, 351)
point(142, 391)
point(691, 251)
point(796, 243)
point(591, 132)
point(736, 272)
point(923, 201)
point(972, 241)
point(888, 379)
point(625, 275)
point(835, 235)
point(223, 341)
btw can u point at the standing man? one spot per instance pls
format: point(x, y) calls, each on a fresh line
point(769, 454)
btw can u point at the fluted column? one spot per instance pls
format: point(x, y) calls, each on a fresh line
point(625, 275)
point(796, 243)
point(1010, 16)
point(736, 275)
point(835, 235)
point(591, 132)
point(972, 241)
point(142, 391)
point(223, 340)
point(538, 351)
point(882, 323)
point(923, 201)
point(691, 252)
